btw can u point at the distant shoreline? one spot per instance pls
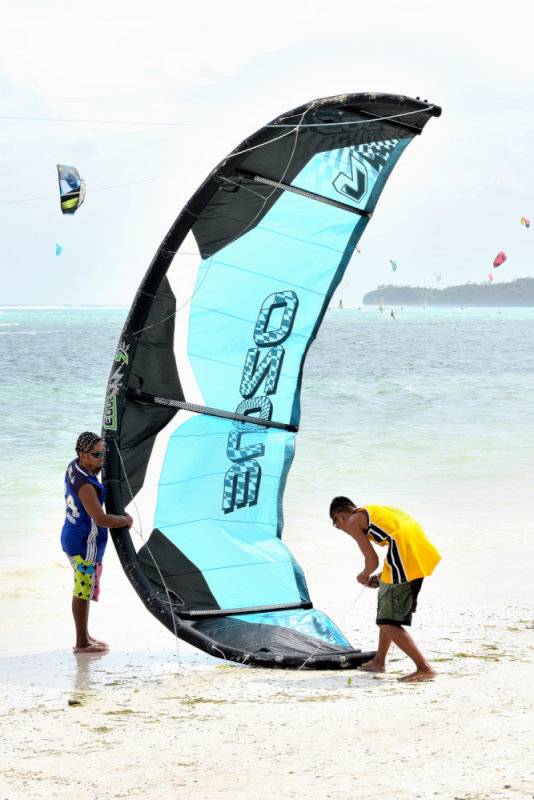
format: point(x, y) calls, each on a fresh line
point(518, 293)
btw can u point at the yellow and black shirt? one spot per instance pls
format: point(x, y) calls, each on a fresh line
point(410, 554)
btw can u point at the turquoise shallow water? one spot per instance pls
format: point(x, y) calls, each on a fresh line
point(430, 410)
point(56, 364)
point(435, 397)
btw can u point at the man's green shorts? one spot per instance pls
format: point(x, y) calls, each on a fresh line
point(397, 602)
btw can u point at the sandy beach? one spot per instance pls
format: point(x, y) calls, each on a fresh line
point(227, 730)
point(156, 719)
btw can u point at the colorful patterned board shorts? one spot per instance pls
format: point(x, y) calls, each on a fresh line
point(86, 578)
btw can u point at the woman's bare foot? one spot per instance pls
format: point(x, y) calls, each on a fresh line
point(97, 641)
point(94, 647)
point(104, 647)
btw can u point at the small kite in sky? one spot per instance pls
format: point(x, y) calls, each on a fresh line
point(438, 276)
point(71, 188)
point(393, 264)
point(525, 222)
point(499, 259)
point(58, 249)
point(490, 276)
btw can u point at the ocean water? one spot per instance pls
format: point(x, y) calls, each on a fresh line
point(430, 411)
point(435, 403)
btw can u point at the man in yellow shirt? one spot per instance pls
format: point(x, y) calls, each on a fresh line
point(410, 557)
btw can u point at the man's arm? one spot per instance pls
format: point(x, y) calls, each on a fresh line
point(357, 526)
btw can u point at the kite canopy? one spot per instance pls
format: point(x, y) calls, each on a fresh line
point(500, 258)
point(203, 400)
point(71, 188)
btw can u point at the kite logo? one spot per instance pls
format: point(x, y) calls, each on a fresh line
point(110, 412)
point(354, 185)
point(122, 353)
point(114, 384)
point(263, 365)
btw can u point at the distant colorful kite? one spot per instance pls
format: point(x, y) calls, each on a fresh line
point(71, 188)
point(499, 259)
point(58, 249)
point(490, 276)
point(525, 222)
point(393, 265)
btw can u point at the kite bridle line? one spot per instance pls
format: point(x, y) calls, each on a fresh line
point(230, 737)
point(351, 122)
point(181, 667)
point(136, 333)
point(210, 680)
point(154, 177)
point(168, 591)
point(331, 631)
point(293, 129)
point(291, 126)
point(139, 533)
point(155, 124)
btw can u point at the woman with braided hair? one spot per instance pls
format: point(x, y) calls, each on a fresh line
point(85, 533)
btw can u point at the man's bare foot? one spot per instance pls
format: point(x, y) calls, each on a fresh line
point(372, 666)
point(418, 675)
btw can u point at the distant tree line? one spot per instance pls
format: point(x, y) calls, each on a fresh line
point(516, 293)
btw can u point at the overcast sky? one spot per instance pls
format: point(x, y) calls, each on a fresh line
point(145, 97)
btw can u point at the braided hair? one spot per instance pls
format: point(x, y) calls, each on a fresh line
point(86, 441)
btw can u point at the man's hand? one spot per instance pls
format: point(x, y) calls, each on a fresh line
point(371, 581)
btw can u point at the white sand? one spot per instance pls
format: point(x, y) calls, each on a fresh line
point(233, 731)
point(157, 720)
